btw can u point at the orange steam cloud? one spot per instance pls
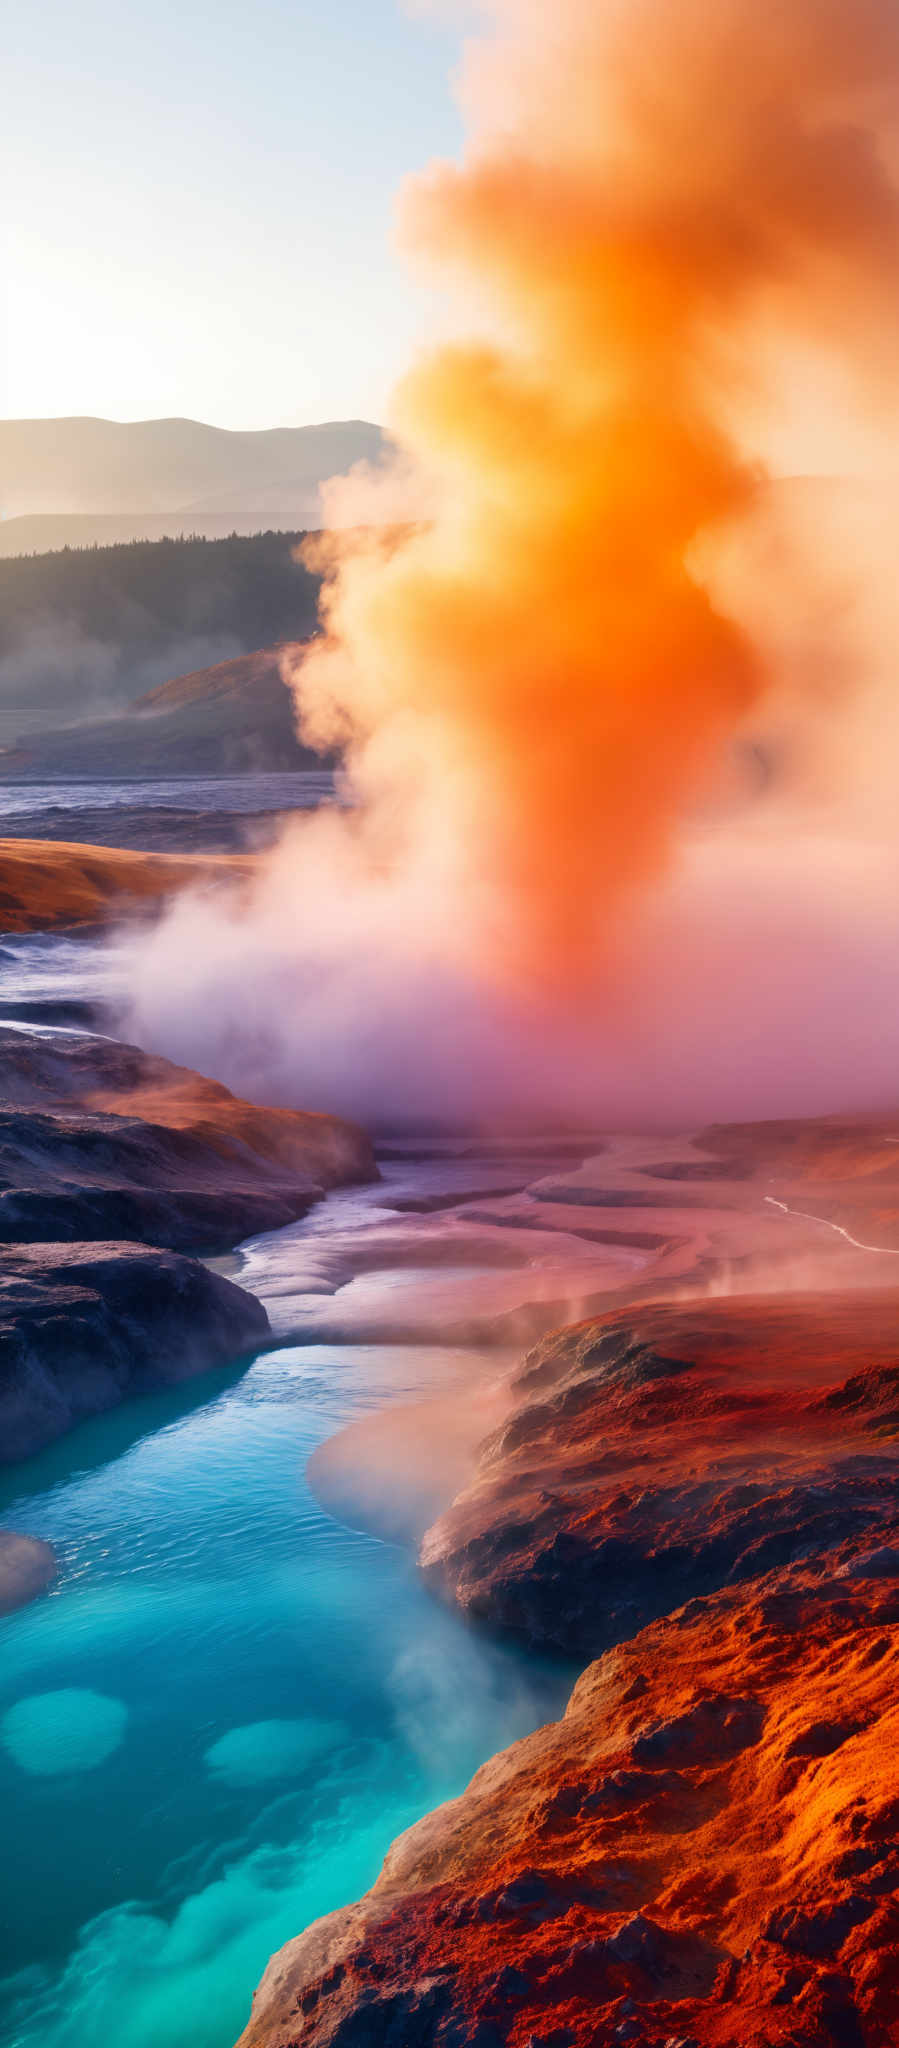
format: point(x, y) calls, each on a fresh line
point(537, 678)
point(596, 610)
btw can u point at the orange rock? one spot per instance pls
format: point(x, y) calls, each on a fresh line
point(661, 1452)
point(686, 1857)
point(703, 1853)
point(51, 885)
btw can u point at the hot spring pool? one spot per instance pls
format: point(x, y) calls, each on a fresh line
point(215, 1724)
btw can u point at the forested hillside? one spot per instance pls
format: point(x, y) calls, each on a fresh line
point(87, 631)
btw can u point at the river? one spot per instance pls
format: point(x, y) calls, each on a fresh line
point(231, 1701)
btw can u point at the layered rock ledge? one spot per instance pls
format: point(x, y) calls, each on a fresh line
point(659, 1453)
point(100, 1140)
point(111, 1163)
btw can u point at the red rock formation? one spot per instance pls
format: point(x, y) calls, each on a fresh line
point(704, 1850)
point(662, 1452)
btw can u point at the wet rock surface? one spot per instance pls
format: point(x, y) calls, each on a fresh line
point(84, 1326)
point(27, 1568)
point(99, 1139)
point(112, 1162)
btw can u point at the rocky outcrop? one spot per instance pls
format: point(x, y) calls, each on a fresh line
point(27, 1568)
point(99, 1140)
point(102, 1145)
point(660, 1453)
point(83, 1326)
point(702, 1853)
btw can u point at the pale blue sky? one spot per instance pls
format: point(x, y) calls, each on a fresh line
point(200, 199)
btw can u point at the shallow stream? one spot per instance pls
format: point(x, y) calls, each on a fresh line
point(230, 1703)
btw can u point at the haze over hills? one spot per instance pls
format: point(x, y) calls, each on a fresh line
point(84, 633)
point(233, 718)
point(80, 482)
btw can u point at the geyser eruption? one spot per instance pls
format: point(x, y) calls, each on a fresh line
point(536, 688)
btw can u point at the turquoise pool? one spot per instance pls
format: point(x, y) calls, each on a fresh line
point(213, 1727)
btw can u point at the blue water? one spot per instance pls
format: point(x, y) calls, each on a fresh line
point(212, 1728)
point(294, 789)
point(229, 1704)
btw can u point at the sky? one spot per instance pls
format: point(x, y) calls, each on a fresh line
point(198, 205)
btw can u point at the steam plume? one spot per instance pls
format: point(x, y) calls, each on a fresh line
point(536, 688)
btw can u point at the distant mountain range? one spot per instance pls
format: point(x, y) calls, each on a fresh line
point(81, 482)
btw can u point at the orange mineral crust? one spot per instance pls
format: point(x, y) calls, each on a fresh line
point(662, 1452)
point(703, 1853)
point(61, 885)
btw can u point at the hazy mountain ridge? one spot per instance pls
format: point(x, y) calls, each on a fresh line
point(44, 533)
point(81, 481)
